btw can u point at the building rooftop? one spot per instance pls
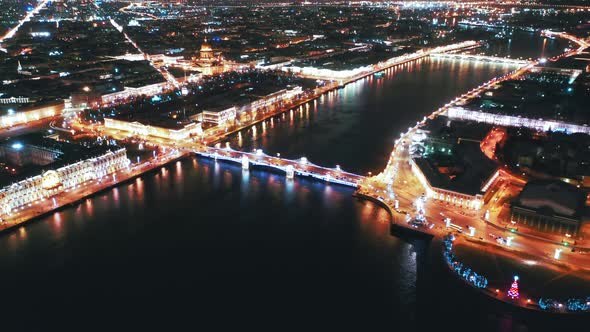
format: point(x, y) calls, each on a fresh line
point(552, 197)
point(156, 120)
point(466, 172)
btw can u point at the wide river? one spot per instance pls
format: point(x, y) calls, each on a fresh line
point(200, 242)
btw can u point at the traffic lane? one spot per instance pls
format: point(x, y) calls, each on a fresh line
point(26, 128)
point(520, 244)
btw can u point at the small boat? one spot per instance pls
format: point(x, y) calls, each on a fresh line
point(379, 74)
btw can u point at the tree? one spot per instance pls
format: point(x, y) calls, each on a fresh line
point(513, 291)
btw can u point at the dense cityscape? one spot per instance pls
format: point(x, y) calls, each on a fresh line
point(323, 163)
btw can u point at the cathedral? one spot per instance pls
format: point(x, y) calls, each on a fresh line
point(207, 61)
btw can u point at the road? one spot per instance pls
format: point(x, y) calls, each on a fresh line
point(20, 23)
point(398, 183)
point(28, 127)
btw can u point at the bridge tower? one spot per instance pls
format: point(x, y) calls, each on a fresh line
point(245, 163)
point(290, 172)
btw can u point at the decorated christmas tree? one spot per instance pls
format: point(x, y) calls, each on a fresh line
point(513, 291)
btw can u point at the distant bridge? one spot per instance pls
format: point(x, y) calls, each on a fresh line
point(482, 58)
point(299, 167)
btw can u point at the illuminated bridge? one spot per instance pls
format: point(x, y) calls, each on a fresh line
point(482, 58)
point(299, 167)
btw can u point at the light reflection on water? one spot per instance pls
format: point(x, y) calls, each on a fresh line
point(355, 126)
point(213, 233)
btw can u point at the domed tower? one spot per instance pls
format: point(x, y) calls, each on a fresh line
point(206, 56)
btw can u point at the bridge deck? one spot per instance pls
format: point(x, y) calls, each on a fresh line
point(301, 167)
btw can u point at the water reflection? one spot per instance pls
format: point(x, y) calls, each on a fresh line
point(225, 235)
point(356, 125)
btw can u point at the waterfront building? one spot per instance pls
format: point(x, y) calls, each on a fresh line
point(436, 188)
point(277, 97)
point(63, 174)
point(165, 128)
point(461, 178)
point(460, 113)
point(219, 115)
point(550, 206)
point(222, 114)
point(447, 159)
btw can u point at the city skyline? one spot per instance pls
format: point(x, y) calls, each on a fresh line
point(453, 133)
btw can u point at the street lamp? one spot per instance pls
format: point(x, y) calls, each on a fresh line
point(557, 253)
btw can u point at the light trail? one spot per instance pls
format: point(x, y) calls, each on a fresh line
point(27, 18)
point(165, 73)
point(581, 42)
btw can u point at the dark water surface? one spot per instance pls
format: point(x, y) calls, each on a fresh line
point(356, 126)
point(201, 245)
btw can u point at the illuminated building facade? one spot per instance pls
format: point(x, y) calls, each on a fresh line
point(206, 56)
point(515, 121)
point(207, 62)
point(456, 198)
point(326, 73)
point(276, 97)
point(172, 131)
point(31, 114)
point(15, 100)
point(52, 182)
point(219, 116)
point(128, 92)
point(226, 114)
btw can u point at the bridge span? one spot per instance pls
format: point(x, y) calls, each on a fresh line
point(298, 167)
point(483, 58)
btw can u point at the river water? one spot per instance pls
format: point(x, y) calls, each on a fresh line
point(199, 243)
